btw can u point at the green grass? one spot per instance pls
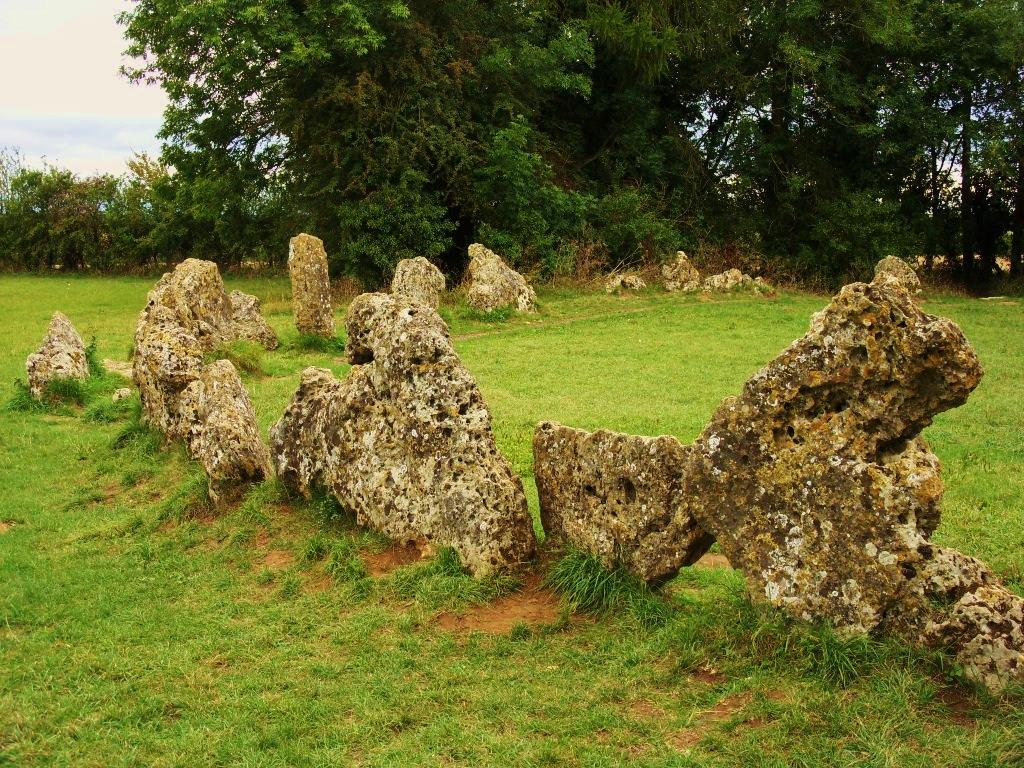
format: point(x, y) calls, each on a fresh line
point(139, 627)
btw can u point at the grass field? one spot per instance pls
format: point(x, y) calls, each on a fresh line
point(139, 629)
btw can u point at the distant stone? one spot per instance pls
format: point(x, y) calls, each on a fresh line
point(121, 394)
point(618, 497)
point(405, 441)
point(733, 279)
point(248, 321)
point(681, 275)
point(222, 432)
point(419, 280)
point(311, 286)
point(492, 284)
point(815, 480)
point(624, 282)
point(61, 356)
point(895, 268)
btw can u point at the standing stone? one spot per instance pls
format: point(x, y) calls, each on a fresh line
point(681, 275)
point(815, 480)
point(618, 497)
point(895, 268)
point(311, 286)
point(61, 356)
point(405, 440)
point(624, 282)
point(493, 284)
point(248, 321)
point(419, 280)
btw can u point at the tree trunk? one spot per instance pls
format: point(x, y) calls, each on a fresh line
point(1017, 225)
point(966, 197)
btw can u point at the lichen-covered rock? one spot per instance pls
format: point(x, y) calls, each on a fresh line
point(419, 280)
point(493, 284)
point(311, 286)
point(248, 322)
point(618, 497)
point(405, 440)
point(221, 431)
point(815, 480)
point(187, 315)
point(681, 275)
point(61, 356)
point(895, 268)
point(121, 394)
point(624, 282)
point(733, 279)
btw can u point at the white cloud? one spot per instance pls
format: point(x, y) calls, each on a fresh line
point(61, 94)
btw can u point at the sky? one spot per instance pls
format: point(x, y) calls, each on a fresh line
point(62, 98)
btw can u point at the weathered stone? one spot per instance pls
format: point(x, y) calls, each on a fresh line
point(247, 321)
point(187, 316)
point(618, 497)
point(311, 286)
point(733, 279)
point(895, 268)
point(624, 282)
point(61, 356)
point(814, 480)
point(419, 280)
point(492, 284)
point(221, 431)
point(121, 394)
point(405, 440)
point(681, 275)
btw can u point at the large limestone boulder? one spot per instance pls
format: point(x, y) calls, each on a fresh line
point(419, 280)
point(187, 315)
point(311, 286)
point(61, 356)
point(248, 322)
point(618, 497)
point(405, 440)
point(493, 284)
point(221, 430)
point(681, 275)
point(895, 268)
point(732, 280)
point(815, 480)
point(620, 282)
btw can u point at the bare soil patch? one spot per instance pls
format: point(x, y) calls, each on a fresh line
point(534, 604)
point(6, 525)
point(119, 367)
point(712, 560)
point(959, 704)
point(394, 557)
point(685, 739)
point(278, 559)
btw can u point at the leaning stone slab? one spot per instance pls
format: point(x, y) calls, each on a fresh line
point(405, 441)
point(61, 356)
point(419, 280)
point(311, 286)
point(493, 284)
point(618, 497)
point(681, 275)
point(248, 322)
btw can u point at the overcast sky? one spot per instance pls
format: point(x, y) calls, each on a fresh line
point(61, 96)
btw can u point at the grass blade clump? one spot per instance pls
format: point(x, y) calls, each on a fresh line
point(245, 355)
point(312, 343)
point(22, 401)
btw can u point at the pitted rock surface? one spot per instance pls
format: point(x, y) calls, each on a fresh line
point(493, 284)
point(187, 315)
point(405, 441)
point(248, 322)
point(681, 275)
point(220, 427)
point(815, 480)
point(419, 280)
point(895, 268)
point(618, 497)
point(733, 279)
point(624, 282)
point(61, 356)
point(311, 286)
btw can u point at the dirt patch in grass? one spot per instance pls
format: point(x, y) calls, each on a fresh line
point(6, 525)
point(687, 738)
point(120, 367)
point(708, 676)
point(645, 710)
point(959, 705)
point(278, 559)
point(392, 558)
point(534, 604)
point(712, 560)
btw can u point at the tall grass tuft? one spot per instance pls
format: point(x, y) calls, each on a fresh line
point(311, 343)
point(245, 355)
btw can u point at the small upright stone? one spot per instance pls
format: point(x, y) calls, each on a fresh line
point(895, 268)
point(624, 282)
point(681, 275)
point(311, 286)
point(248, 321)
point(61, 356)
point(419, 280)
point(618, 497)
point(493, 284)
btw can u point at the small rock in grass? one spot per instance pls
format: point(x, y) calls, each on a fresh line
point(624, 282)
point(61, 356)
